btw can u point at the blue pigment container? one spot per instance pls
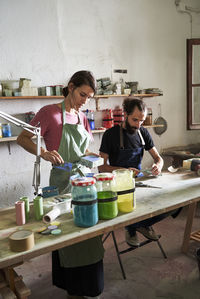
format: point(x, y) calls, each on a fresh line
point(84, 202)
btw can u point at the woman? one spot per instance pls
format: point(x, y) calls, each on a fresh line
point(77, 268)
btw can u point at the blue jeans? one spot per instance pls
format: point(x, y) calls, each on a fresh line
point(148, 222)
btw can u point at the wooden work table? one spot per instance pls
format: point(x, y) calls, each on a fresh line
point(177, 190)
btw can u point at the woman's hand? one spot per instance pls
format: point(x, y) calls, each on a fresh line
point(52, 156)
point(87, 153)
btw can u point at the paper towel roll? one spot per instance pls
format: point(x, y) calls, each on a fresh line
point(52, 215)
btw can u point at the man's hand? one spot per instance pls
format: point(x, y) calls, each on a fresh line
point(156, 169)
point(135, 171)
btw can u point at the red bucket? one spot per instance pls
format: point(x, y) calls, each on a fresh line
point(108, 121)
point(118, 116)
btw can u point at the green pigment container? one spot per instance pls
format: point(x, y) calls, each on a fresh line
point(107, 197)
point(107, 204)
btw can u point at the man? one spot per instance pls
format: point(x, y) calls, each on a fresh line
point(123, 147)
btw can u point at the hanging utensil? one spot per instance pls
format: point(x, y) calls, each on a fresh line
point(161, 122)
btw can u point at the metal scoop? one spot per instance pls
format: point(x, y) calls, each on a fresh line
point(141, 184)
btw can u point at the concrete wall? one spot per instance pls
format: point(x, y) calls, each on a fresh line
point(49, 40)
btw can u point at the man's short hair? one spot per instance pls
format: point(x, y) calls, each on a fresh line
point(130, 104)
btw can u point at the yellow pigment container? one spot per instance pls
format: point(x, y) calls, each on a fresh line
point(125, 188)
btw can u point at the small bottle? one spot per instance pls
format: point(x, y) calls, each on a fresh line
point(38, 207)
point(27, 207)
point(91, 119)
point(6, 130)
point(20, 212)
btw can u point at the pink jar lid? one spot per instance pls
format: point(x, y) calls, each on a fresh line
point(104, 176)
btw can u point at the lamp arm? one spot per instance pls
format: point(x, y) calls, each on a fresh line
point(36, 131)
point(17, 122)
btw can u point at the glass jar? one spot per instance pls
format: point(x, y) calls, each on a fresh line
point(84, 201)
point(125, 187)
point(107, 197)
point(148, 120)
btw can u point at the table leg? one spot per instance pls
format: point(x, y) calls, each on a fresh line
point(13, 284)
point(9, 273)
point(188, 227)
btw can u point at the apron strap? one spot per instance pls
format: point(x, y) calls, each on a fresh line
point(142, 139)
point(64, 114)
point(122, 138)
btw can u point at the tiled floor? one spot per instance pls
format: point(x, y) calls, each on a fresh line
point(149, 275)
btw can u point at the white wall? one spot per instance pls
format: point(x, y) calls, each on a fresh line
point(49, 40)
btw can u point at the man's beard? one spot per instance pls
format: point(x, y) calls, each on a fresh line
point(130, 130)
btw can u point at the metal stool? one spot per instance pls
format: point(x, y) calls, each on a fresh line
point(131, 248)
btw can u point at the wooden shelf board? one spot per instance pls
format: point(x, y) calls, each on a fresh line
point(31, 97)
point(153, 126)
point(13, 138)
point(95, 97)
point(140, 95)
point(7, 139)
point(150, 126)
point(98, 131)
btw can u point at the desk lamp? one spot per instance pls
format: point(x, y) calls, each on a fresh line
point(36, 131)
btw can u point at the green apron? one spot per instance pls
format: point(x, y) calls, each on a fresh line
point(74, 142)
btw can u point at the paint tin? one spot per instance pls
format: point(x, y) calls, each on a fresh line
point(6, 130)
point(118, 116)
point(108, 121)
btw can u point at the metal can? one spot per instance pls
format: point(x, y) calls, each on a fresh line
point(6, 130)
point(0, 131)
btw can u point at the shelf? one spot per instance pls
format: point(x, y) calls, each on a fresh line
point(153, 126)
point(31, 97)
point(98, 131)
point(138, 95)
point(8, 139)
point(149, 126)
point(96, 97)
point(13, 138)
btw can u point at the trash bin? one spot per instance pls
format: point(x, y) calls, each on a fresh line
point(198, 259)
